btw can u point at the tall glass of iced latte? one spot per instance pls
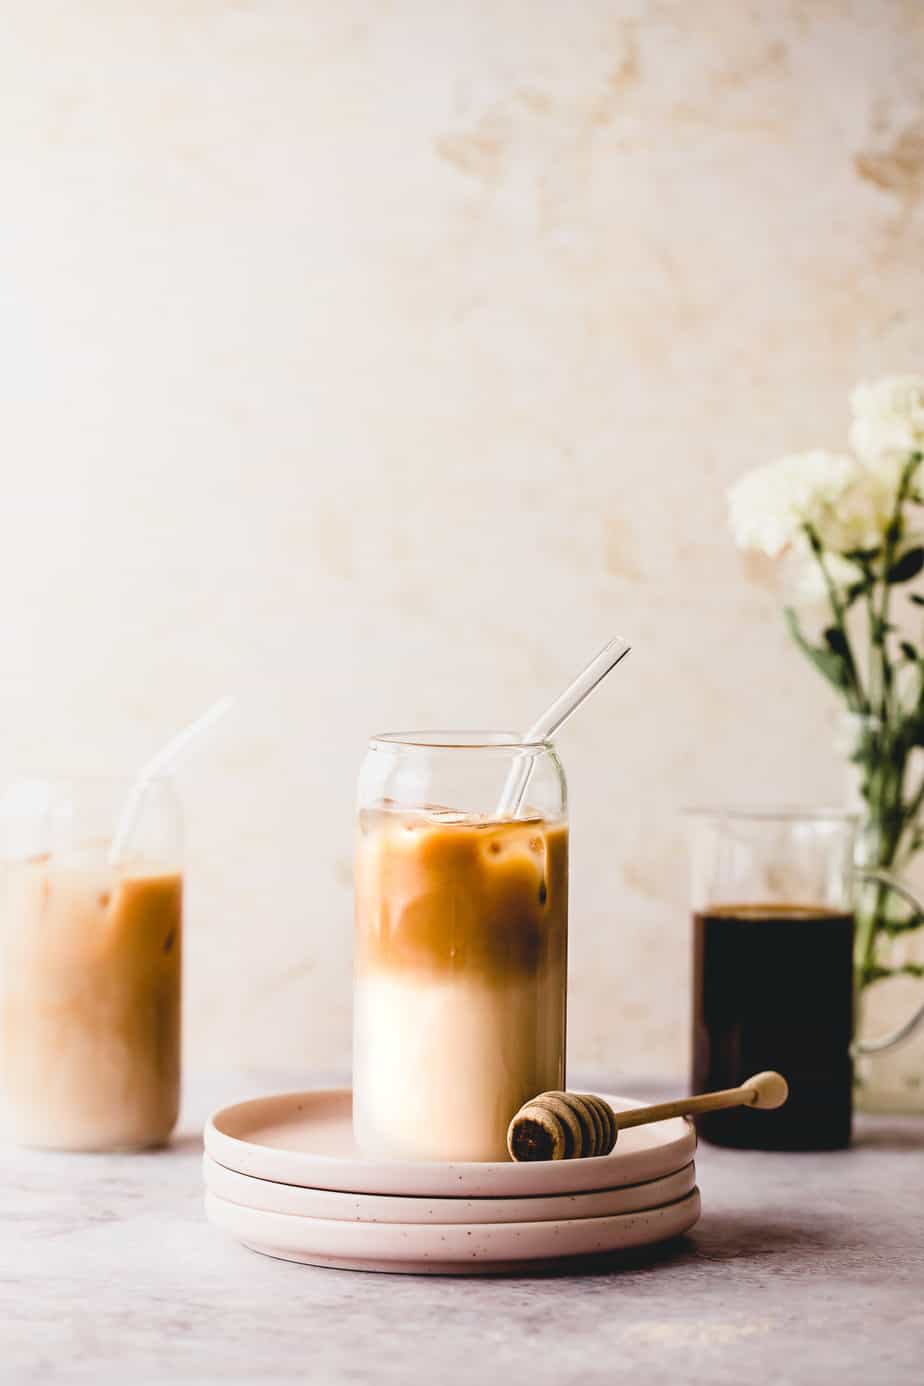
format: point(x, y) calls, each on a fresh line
point(89, 966)
point(461, 943)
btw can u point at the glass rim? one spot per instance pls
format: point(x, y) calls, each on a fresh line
point(784, 813)
point(456, 741)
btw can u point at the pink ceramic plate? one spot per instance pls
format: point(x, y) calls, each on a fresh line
point(446, 1249)
point(269, 1197)
point(306, 1138)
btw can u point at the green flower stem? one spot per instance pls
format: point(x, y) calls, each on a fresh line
point(913, 807)
point(856, 697)
point(873, 674)
point(893, 536)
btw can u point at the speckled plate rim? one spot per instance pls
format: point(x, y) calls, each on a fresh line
point(441, 1248)
point(236, 1136)
point(297, 1201)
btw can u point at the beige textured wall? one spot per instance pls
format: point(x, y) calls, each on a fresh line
point(375, 362)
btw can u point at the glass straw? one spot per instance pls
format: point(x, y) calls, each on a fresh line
point(163, 763)
point(555, 716)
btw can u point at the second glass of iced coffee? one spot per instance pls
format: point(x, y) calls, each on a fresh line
point(90, 966)
point(461, 942)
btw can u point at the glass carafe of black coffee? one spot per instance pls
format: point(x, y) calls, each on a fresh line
point(773, 943)
point(773, 929)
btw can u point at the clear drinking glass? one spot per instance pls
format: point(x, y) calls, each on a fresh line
point(461, 943)
point(90, 958)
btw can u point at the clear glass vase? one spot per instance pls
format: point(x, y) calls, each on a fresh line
point(889, 954)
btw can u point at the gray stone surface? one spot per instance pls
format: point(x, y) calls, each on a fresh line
point(805, 1269)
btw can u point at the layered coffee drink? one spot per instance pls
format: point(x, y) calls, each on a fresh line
point(90, 1002)
point(460, 978)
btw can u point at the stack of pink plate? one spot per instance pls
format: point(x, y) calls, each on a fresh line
point(283, 1176)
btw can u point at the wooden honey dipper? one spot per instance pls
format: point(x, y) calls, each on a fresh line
point(575, 1125)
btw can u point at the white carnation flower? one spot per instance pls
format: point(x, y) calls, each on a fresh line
point(888, 423)
point(808, 579)
point(844, 503)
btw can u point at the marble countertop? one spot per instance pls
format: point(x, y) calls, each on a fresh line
point(804, 1269)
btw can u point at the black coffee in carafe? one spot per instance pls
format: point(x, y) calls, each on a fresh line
point(773, 989)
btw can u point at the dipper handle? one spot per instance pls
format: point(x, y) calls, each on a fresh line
point(764, 1091)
